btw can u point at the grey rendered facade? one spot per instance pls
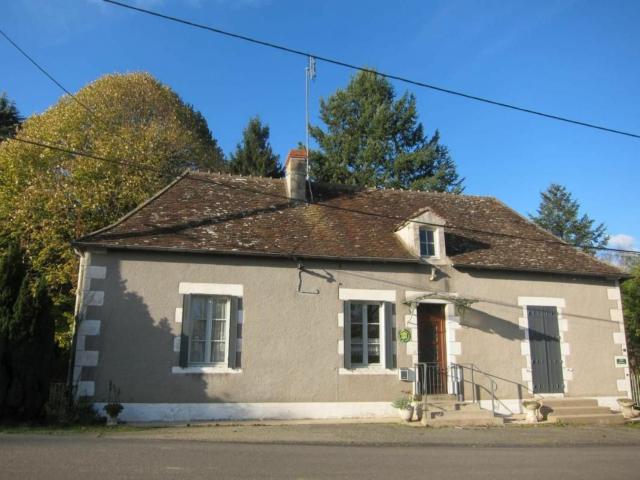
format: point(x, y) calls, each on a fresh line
point(292, 352)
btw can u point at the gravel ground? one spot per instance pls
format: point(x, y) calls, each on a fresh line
point(390, 434)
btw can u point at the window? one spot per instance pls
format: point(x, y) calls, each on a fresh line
point(427, 243)
point(365, 334)
point(209, 317)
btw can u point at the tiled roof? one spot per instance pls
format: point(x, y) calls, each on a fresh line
point(252, 216)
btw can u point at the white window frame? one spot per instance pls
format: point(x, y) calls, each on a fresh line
point(209, 332)
point(434, 233)
point(365, 337)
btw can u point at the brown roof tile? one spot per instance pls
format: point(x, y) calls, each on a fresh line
point(252, 216)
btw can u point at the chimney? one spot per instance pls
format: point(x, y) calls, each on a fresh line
point(295, 169)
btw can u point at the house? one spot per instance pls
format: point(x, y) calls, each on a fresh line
point(241, 297)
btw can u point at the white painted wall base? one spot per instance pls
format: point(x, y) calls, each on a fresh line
point(506, 407)
point(513, 406)
point(611, 402)
point(184, 412)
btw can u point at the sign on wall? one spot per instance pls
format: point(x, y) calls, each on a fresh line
point(404, 335)
point(621, 361)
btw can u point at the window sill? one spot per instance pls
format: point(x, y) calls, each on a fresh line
point(367, 371)
point(204, 370)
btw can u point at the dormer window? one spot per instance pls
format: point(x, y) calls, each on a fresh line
point(423, 236)
point(427, 242)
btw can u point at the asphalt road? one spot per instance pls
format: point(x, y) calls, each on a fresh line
point(89, 457)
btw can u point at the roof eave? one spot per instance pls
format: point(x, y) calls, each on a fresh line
point(293, 255)
point(612, 275)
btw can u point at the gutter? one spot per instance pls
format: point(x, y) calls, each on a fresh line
point(608, 276)
point(413, 261)
point(245, 253)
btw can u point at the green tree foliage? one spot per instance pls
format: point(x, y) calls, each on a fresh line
point(373, 139)
point(254, 156)
point(48, 198)
point(26, 340)
point(559, 213)
point(631, 307)
point(10, 118)
point(12, 271)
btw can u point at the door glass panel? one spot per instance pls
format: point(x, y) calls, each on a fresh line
point(356, 331)
point(356, 354)
point(373, 331)
point(219, 329)
point(373, 353)
point(220, 311)
point(199, 329)
point(196, 352)
point(373, 313)
point(217, 352)
point(198, 308)
point(356, 312)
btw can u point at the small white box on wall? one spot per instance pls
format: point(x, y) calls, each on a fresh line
point(406, 374)
point(621, 361)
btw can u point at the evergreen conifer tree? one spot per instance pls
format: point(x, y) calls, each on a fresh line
point(254, 156)
point(373, 139)
point(559, 213)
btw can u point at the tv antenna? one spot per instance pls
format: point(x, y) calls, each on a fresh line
point(309, 74)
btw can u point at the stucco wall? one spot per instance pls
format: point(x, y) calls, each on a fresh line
point(290, 338)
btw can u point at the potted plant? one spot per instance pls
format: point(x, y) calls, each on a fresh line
point(405, 408)
point(113, 406)
point(417, 406)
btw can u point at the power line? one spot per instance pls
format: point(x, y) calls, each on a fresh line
point(170, 174)
point(364, 69)
point(42, 69)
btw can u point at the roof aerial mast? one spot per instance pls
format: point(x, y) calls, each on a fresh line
point(309, 74)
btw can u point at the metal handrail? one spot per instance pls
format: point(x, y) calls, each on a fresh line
point(492, 382)
point(453, 372)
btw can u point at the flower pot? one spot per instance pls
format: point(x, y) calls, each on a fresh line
point(417, 407)
point(406, 413)
point(112, 421)
point(626, 404)
point(531, 406)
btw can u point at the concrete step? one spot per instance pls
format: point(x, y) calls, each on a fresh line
point(451, 406)
point(568, 402)
point(445, 421)
point(441, 398)
point(590, 419)
point(458, 414)
point(562, 411)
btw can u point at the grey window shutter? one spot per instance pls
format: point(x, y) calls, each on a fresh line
point(186, 331)
point(346, 309)
point(389, 325)
point(233, 330)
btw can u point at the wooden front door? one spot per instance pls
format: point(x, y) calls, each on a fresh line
point(432, 348)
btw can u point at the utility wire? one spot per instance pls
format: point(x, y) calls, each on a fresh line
point(42, 69)
point(170, 174)
point(290, 50)
point(363, 69)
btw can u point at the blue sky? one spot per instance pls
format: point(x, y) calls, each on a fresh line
point(574, 58)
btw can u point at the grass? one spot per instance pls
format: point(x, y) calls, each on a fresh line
point(71, 429)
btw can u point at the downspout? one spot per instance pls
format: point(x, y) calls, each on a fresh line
point(85, 259)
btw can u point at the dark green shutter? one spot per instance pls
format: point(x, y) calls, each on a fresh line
point(544, 342)
point(233, 330)
point(186, 331)
point(389, 326)
point(346, 308)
